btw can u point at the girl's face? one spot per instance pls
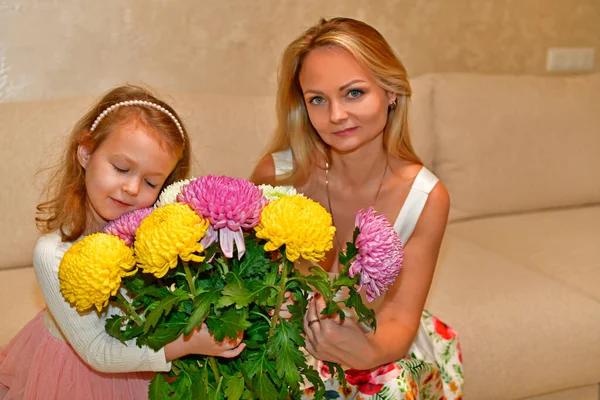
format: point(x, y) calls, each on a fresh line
point(345, 105)
point(126, 172)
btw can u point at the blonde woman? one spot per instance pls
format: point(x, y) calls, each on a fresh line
point(342, 139)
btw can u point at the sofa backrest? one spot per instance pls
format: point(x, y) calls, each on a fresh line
point(506, 144)
point(500, 144)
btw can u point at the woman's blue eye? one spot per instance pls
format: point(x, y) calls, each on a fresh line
point(317, 100)
point(354, 93)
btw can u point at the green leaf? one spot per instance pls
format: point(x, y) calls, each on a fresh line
point(202, 304)
point(332, 308)
point(159, 389)
point(318, 279)
point(164, 308)
point(263, 387)
point(113, 327)
point(365, 314)
point(153, 291)
point(255, 262)
point(256, 335)
point(284, 348)
point(234, 387)
point(338, 371)
point(345, 281)
point(313, 377)
point(236, 292)
point(163, 334)
point(134, 284)
point(227, 325)
point(259, 364)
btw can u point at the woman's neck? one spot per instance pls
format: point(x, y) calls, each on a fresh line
point(361, 166)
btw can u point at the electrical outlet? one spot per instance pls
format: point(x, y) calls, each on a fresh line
point(570, 59)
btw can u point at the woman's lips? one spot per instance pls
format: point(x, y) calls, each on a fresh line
point(345, 132)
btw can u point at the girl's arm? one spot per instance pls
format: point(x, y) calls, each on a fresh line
point(85, 332)
point(399, 317)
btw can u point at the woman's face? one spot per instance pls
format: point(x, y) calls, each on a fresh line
point(345, 105)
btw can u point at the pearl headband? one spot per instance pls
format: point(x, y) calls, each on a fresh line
point(136, 103)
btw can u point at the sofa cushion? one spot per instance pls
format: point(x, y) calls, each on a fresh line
point(517, 143)
point(561, 244)
point(521, 332)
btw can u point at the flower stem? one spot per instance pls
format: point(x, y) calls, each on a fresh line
point(129, 308)
point(215, 369)
point(280, 296)
point(190, 280)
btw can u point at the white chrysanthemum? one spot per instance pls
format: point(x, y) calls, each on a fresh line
point(169, 194)
point(274, 192)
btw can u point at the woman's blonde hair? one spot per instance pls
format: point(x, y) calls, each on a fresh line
point(371, 50)
point(65, 207)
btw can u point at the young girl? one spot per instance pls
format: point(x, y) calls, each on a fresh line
point(120, 155)
point(342, 139)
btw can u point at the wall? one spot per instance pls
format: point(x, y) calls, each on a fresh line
point(51, 49)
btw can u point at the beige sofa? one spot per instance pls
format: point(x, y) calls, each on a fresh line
point(519, 272)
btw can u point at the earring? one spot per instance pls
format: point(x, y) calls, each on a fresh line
point(393, 104)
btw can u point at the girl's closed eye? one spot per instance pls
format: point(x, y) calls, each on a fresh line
point(120, 170)
point(151, 185)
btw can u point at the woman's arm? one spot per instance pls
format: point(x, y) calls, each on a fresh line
point(399, 316)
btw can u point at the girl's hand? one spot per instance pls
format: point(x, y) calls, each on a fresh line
point(329, 339)
point(200, 341)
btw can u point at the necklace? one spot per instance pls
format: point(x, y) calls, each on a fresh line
point(337, 240)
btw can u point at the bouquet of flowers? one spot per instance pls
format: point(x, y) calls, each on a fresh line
point(220, 251)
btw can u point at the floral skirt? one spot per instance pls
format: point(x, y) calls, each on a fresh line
point(35, 365)
point(432, 371)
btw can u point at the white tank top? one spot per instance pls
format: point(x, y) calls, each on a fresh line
point(411, 210)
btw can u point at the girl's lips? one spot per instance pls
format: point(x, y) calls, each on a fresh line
point(345, 132)
point(120, 203)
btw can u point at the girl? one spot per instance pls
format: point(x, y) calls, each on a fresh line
point(119, 157)
point(342, 139)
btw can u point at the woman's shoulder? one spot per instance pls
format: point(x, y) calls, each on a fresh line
point(264, 172)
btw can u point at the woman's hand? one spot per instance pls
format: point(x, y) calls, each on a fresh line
point(283, 311)
point(329, 339)
point(201, 341)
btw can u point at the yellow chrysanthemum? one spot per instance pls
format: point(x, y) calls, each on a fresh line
point(302, 225)
point(171, 231)
point(91, 270)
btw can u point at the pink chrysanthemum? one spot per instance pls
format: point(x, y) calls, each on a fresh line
point(230, 204)
point(380, 253)
point(126, 225)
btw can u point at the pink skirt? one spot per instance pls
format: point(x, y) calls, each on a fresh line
point(36, 365)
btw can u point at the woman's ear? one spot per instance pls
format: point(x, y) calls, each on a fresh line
point(392, 98)
point(83, 155)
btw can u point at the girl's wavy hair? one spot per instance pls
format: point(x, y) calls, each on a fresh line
point(294, 129)
point(65, 205)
